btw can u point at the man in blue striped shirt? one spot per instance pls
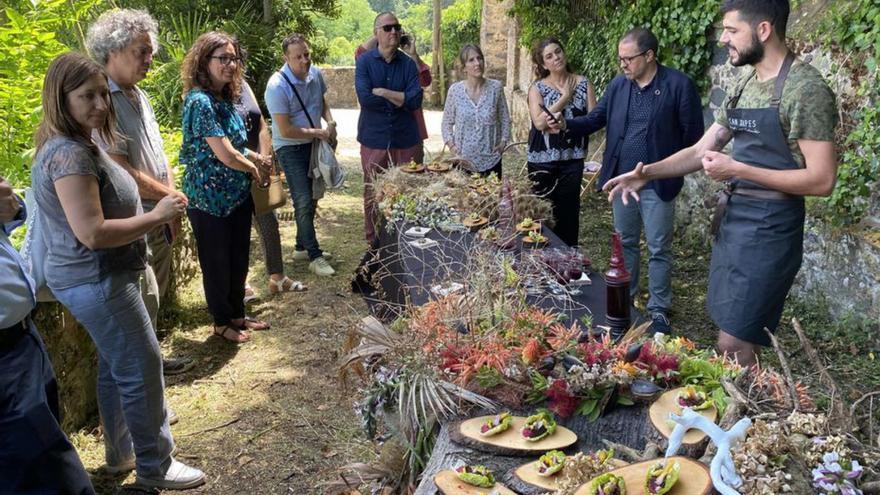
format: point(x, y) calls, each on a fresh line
point(35, 455)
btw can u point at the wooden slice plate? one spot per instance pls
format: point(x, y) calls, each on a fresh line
point(693, 479)
point(510, 441)
point(419, 169)
point(471, 223)
point(536, 227)
point(527, 474)
point(448, 483)
point(668, 403)
point(439, 167)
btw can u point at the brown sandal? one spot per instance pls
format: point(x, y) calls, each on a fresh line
point(232, 334)
point(249, 323)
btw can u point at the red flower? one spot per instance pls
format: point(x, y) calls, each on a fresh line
point(561, 401)
point(660, 365)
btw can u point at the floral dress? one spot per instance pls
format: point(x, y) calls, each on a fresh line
point(210, 185)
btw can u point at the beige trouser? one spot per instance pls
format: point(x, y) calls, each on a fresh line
point(155, 278)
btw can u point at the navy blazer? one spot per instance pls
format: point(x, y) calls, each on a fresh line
point(676, 123)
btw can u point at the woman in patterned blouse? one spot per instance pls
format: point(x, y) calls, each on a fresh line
point(217, 179)
point(556, 161)
point(476, 122)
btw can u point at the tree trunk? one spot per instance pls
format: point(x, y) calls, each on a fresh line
point(437, 56)
point(267, 13)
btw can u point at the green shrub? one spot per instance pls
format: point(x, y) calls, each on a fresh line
point(460, 25)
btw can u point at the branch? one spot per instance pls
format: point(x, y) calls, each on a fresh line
point(224, 425)
point(824, 378)
point(786, 370)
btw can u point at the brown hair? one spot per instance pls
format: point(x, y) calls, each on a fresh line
point(538, 56)
point(65, 74)
point(195, 71)
point(463, 54)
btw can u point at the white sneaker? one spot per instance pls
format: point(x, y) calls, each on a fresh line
point(179, 476)
point(321, 268)
point(303, 255)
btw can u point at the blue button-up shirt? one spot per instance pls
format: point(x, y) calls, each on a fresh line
point(381, 124)
point(635, 141)
point(17, 297)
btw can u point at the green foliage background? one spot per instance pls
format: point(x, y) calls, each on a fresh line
point(590, 31)
point(855, 28)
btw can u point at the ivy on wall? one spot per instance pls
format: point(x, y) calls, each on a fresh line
point(590, 31)
point(855, 26)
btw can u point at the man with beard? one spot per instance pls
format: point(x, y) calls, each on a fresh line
point(650, 112)
point(124, 41)
point(781, 118)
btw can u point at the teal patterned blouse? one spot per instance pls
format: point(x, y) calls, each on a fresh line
point(210, 185)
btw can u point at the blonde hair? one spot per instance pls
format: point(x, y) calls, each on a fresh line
point(66, 73)
point(195, 71)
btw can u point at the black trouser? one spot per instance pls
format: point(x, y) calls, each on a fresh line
point(35, 455)
point(560, 183)
point(496, 169)
point(224, 245)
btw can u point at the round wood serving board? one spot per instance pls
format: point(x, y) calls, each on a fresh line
point(693, 478)
point(510, 441)
point(527, 475)
point(448, 483)
point(668, 403)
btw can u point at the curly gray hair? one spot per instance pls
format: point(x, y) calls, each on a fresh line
point(115, 30)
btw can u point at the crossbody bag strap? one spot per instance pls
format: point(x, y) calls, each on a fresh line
point(295, 92)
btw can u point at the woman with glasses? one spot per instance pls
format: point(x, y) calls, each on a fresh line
point(556, 161)
point(476, 123)
point(93, 226)
point(217, 178)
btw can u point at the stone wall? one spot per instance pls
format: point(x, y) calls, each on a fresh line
point(841, 268)
point(340, 87)
point(75, 362)
point(494, 37)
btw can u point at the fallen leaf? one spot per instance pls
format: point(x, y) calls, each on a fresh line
point(323, 407)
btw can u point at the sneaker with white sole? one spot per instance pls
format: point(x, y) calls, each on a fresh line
point(179, 476)
point(320, 267)
point(303, 255)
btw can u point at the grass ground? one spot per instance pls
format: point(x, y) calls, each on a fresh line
point(270, 417)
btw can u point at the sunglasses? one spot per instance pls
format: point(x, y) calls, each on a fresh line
point(389, 27)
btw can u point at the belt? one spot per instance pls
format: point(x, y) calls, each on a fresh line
point(751, 192)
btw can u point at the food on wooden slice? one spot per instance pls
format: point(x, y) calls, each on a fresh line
point(539, 425)
point(662, 477)
point(607, 484)
point(497, 424)
point(477, 475)
point(551, 463)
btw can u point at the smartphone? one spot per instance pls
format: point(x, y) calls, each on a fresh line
point(549, 113)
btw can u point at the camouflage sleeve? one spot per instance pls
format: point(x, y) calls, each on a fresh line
point(813, 112)
point(721, 115)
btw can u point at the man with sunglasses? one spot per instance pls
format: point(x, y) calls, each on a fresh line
point(649, 112)
point(388, 90)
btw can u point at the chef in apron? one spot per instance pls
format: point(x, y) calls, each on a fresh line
point(782, 151)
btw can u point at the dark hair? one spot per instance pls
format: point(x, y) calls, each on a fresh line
point(463, 54)
point(757, 11)
point(644, 39)
point(538, 56)
point(66, 73)
point(194, 70)
point(292, 39)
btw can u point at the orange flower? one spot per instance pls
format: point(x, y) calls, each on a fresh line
point(531, 352)
point(621, 367)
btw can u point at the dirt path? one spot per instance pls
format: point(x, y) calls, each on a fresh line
point(270, 416)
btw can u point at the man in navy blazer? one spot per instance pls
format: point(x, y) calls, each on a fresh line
point(649, 112)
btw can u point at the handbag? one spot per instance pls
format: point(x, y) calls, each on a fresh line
point(33, 249)
point(324, 165)
point(270, 197)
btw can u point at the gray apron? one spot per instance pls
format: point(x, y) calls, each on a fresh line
point(759, 243)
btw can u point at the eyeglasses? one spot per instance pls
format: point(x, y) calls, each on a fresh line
point(226, 59)
point(628, 60)
point(389, 27)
